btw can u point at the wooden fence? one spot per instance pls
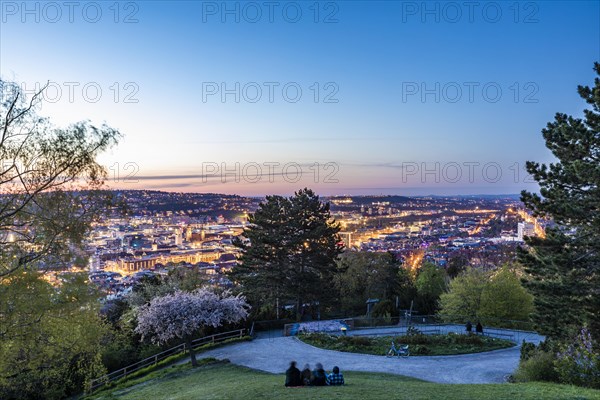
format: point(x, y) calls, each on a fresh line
point(156, 358)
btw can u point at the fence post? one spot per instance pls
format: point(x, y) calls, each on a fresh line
point(156, 359)
point(124, 372)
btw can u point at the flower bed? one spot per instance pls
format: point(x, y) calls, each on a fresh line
point(420, 345)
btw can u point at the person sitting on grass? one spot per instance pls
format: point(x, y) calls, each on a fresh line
point(335, 378)
point(306, 375)
point(292, 376)
point(319, 378)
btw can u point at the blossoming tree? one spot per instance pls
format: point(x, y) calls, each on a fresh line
point(181, 314)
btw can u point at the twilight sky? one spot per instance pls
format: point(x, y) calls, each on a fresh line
point(346, 97)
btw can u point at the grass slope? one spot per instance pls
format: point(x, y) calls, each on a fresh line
point(222, 380)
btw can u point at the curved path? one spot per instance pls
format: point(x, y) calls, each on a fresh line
point(274, 354)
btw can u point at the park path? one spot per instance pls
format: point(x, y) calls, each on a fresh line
point(273, 354)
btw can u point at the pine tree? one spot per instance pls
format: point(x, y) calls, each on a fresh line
point(563, 268)
point(290, 257)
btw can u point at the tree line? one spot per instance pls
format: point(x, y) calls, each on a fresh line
point(292, 259)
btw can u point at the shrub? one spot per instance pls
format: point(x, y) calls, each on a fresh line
point(468, 339)
point(577, 364)
point(320, 339)
point(383, 309)
point(538, 366)
point(117, 355)
point(358, 340)
point(527, 350)
point(414, 339)
point(420, 350)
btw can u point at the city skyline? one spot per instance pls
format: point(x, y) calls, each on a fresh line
point(379, 98)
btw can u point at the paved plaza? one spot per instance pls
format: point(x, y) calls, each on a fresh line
point(272, 353)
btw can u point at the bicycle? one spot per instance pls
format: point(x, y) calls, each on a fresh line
point(400, 351)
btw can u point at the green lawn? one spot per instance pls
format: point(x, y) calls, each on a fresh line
point(420, 345)
point(221, 380)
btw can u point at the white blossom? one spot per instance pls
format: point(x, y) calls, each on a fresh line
point(182, 314)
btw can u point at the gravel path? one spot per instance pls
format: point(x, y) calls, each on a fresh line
point(274, 354)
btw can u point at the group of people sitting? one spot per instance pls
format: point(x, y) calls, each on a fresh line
point(317, 377)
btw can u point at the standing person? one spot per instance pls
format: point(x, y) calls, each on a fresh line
point(318, 376)
point(469, 327)
point(335, 378)
point(479, 328)
point(292, 376)
point(306, 375)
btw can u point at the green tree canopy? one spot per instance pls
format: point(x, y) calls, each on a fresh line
point(50, 193)
point(562, 269)
point(457, 263)
point(407, 291)
point(496, 297)
point(431, 282)
point(364, 275)
point(463, 299)
point(50, 337)
point(504, 298)
point(290, 257)
point(49, 183)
